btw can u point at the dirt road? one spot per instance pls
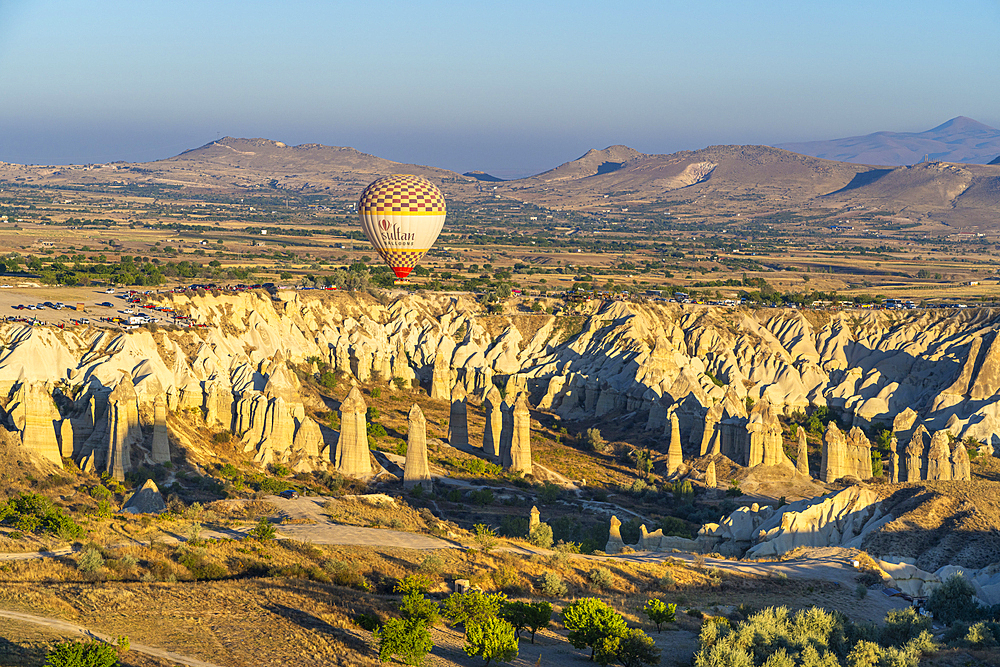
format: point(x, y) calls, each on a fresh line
point(71, 628)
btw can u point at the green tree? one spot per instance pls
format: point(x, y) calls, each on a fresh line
point(632, 648)
point(415, 607)
point(413, 583)
point(541, 535)
point(82, 654)
point(474, 607)
point(590, 620)
point(952, 600)
point(409, 639)
point(492, 639)
point(531, 616)
point(595, 441)
point(659, 612)
point(264, 531)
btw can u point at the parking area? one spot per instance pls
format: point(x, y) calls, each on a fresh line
point(68, 306)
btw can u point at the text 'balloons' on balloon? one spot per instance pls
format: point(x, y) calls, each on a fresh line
point(402, 216)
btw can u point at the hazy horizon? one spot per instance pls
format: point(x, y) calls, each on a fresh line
point(512, 91)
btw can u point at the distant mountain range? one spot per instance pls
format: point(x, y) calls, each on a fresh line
point(960, 139)
point(737, 181)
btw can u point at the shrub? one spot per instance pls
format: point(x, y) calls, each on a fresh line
point(433, 565)
point(222, 437)
point(774, 637)
point(594, 440)
point(264, 531)
point(345, 574)
point(902, 625)
point(367, 622)
point(632, 648)
point(415, 607)
point(482, 497)
point(982, 635)
point(328, 380)
point(552, 585)
point(100, 492)
point(541, 536)
point(601, 578)
point(84, 654)
point(485, 537)
point(952, 600)
point(413, 583)
point(590, 621)
point(531, 616)
point(507, 579)
point(90, 561)
point(474, 607)
point(408, 639)
point(659, 612)
point(491, 639)
point(31, 512)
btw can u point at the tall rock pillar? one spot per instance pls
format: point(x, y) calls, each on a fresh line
point(352, 457)
point(416, 471)
point(834, 460)
point(675, 454)
point(458, 420)
point(492, 434)
point(161, 443)
point(441, 379)
point(802, 457)
point(516, 448)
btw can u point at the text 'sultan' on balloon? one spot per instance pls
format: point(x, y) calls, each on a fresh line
point(402, 216)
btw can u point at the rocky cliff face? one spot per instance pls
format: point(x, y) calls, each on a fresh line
point(615, 358)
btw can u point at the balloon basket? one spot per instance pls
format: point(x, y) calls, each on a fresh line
point(401, 282)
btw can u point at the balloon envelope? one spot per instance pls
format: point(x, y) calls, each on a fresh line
point(402, 216)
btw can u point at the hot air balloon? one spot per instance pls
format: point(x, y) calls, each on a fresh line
point(402, 216)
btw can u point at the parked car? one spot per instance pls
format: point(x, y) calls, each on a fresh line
point(289, 494)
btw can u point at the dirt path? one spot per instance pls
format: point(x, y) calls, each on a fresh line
point(71, 628)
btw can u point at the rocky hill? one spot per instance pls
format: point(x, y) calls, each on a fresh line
point(960, 139)
point(723, 180)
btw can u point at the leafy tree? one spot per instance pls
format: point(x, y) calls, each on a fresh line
point(595, 441)
point(413, 583)
point(659, 612)
point(486, 537)
point(82, 654)
point(632, 648)
point(531, 616)
point(493, 639)
point(409, 639)
point(541, 535)
point(474, 607)
point(589, 621)
point(952, 600)
point(415, 607)
point(264, 531)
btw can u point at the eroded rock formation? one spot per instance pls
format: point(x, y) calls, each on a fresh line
point(352, 457)
point(416, 471)
point(458, 420)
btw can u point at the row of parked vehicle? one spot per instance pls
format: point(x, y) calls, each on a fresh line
point(40, 306)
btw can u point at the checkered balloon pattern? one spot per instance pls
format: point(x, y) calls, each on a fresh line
point(401, 193)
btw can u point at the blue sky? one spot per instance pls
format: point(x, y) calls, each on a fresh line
point(510, 88)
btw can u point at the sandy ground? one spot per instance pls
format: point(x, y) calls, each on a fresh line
point(71, 297)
